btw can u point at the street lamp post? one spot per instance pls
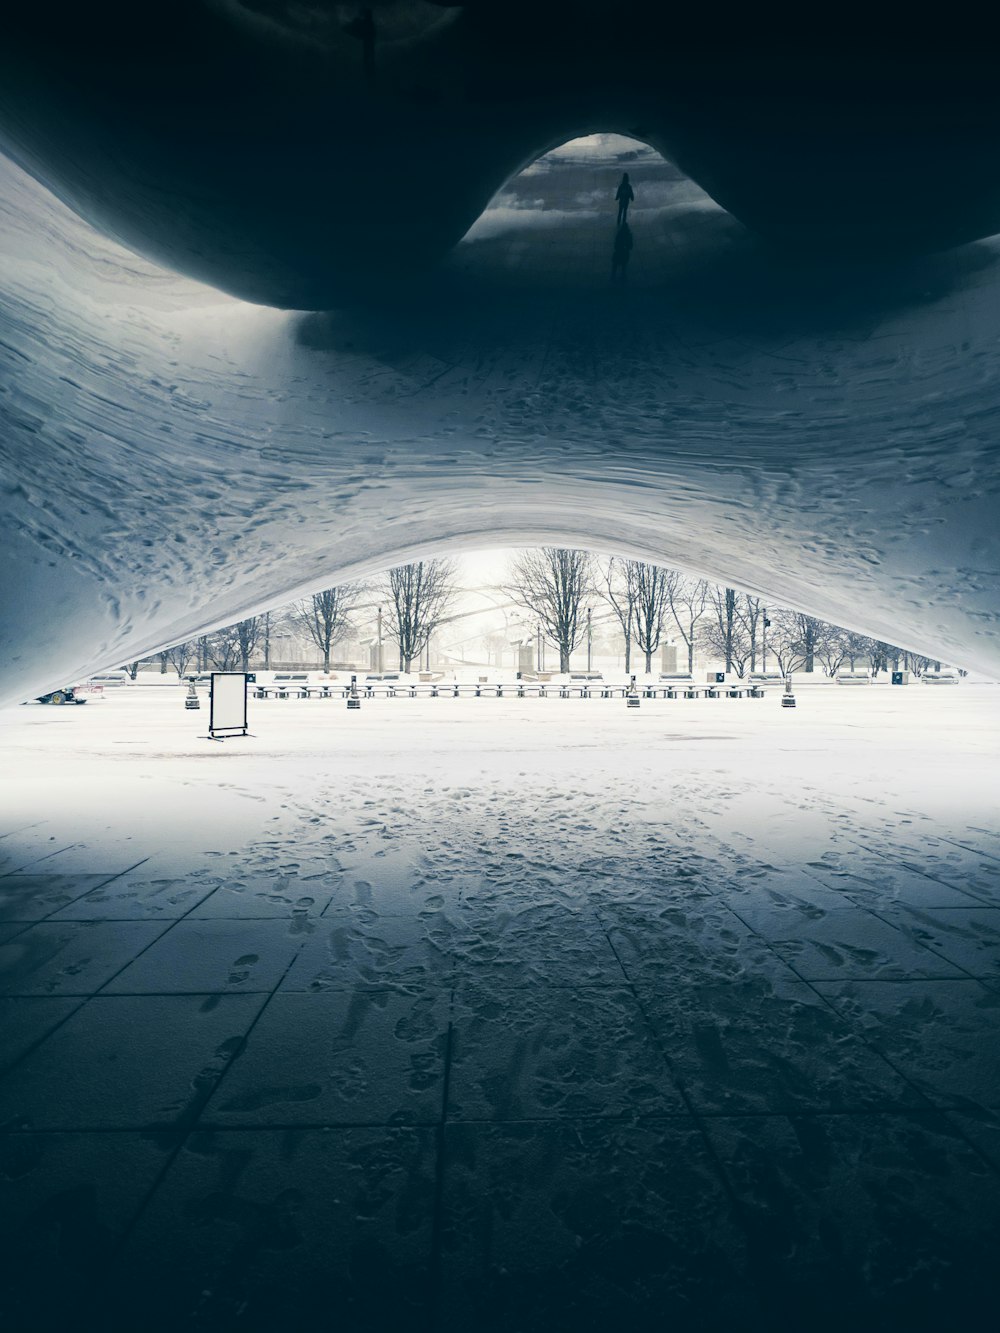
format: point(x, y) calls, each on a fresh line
point(590, 644)
point(763, 642)
point(539, 663)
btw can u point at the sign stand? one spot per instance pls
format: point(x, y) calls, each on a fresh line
point(227, 698)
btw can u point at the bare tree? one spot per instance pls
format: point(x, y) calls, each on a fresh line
point(811, 635)
point(619, 593)
point(750, 613)
point(551, 583)
point(180, 655)
point(831, 649)
point(249, 634)
point(420, 595)
point(651, 607)
point(725, 629)
point(884, 656)
point(325, 616)
point(797, 639)
point(858, 646)
point(688, 601)
point(222, 648)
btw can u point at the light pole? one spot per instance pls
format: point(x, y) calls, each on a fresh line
point(539, 664)
point(590, 644)
point(378, 658)
point(763, 642)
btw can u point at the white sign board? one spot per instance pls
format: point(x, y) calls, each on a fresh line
point(228, 702)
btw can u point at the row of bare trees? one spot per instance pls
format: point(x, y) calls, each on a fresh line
point(649, 604)
point(648, 601)
point(652, 604)
point(417, 597)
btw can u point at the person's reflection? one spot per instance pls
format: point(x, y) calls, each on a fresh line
point(624, 194)
point(621, 253)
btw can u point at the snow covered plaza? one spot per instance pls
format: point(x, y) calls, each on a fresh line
point(528, 1014)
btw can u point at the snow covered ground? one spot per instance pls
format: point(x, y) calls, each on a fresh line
point(132, 768)
point(498, 1014)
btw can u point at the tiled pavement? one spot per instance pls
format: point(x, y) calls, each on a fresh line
point(733, 1093)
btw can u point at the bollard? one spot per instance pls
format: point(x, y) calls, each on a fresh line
point(352, 699)
point(788, 698)
point(192, 700)
point(632, 699)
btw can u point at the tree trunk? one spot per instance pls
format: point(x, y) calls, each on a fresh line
point(326, 661)
point(691, 655)
point(649, 662)
point(628, 653)
point(409, 664)
point(563, 658)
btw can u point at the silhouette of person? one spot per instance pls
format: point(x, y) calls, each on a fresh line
point(622, 252)
point(624, 194)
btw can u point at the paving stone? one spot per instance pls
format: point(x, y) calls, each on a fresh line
point(25, 1019)
point(124, 1062)
point(136, 897)
point(944, 1036)
point(981, 1127)
point(768, 1046)
point(962, 869)
point(878, 883)
point(65, 1202)
point(346, 953)
point(547, 945)
point(265, 899)
point(71, 957)
point(554, 1053)
point(589, 1226)
point(968, 937)
point(363, 1057)
point(287, 1229)
point(846, 944)
point(392, 884)
point(697, 941)
point(217, 956)
point(33, 897)
point(882, 1222)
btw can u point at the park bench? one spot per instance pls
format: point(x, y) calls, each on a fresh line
point(944, 677)
point(675, 681)
point(766, 679)
point(853, 678)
